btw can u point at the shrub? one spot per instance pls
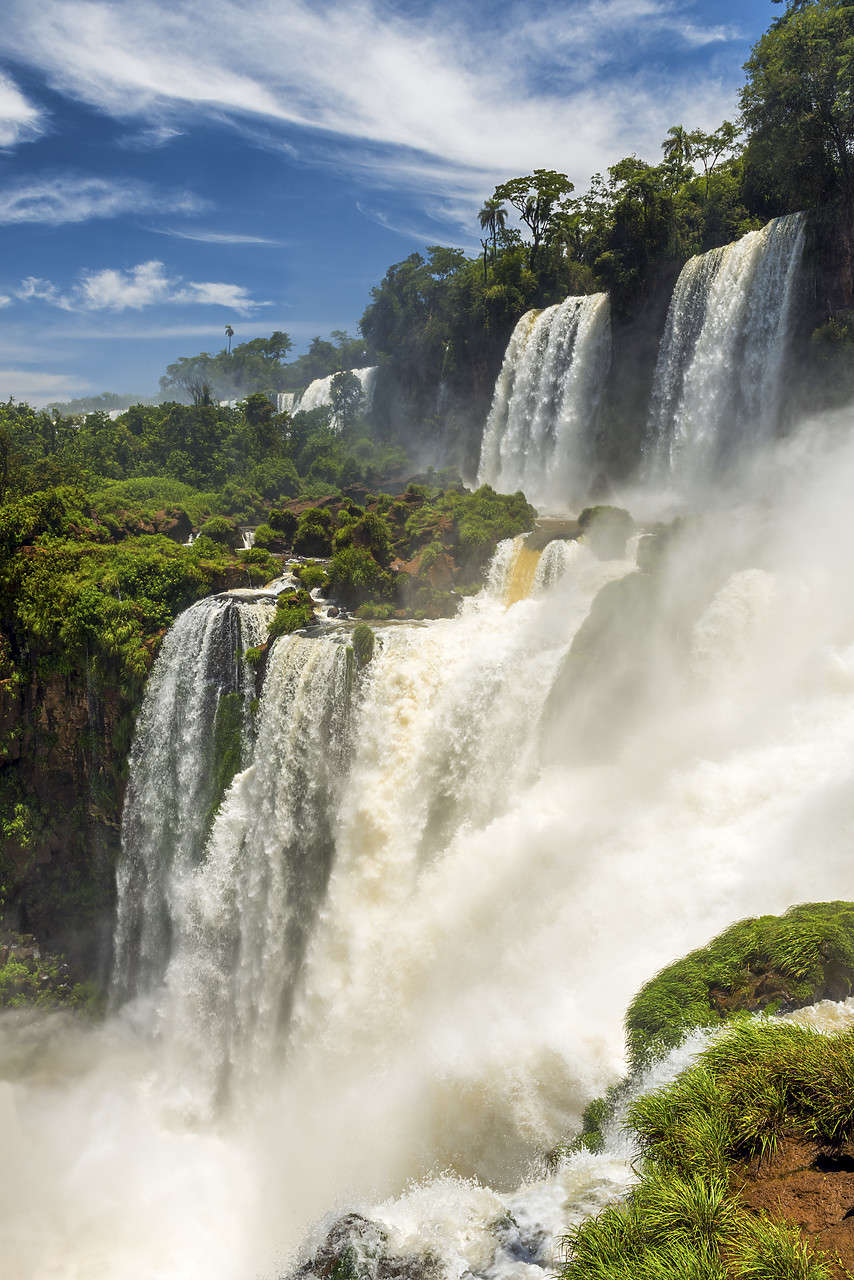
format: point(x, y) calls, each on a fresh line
point(277, 478)
point(284, 522)
point(265, 537)
point(312, 575)
point(314, 533)
point(363, 643)
point(373, 532)
point(220, 529)
point(354, 574)
point(294, 611)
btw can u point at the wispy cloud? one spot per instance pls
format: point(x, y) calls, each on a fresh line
point(411, 231)
point(62, 198)
point(20, 121)
point(217, 237)
point(440, 92)
point(142, 286)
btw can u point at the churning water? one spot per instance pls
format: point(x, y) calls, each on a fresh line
point(391, 965)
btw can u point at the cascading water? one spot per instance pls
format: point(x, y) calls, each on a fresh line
point(398, 963)
point(541, 428)
point(719, 378)
point(318, 394)
point(249, 908)
point(172, 786)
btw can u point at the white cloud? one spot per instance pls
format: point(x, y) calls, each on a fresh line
point(20, 121)
point(440, 97)
point(5, 300)
point(142, 286)
point(39, 388)
point(217, 237)
point(63, 198)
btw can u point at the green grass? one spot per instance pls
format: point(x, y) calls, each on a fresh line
point(755, 965)
point(758, 1080)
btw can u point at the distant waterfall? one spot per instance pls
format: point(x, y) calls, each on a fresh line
point(172, 785)
point(318, 394)
point(544, 414)
point(718, 382)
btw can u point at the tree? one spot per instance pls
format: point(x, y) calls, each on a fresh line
point(536, 199)
point(229, 333)
point(798, 108)
point(708, 148)
point(347, 399)
point(492, 218)
point(678, 150)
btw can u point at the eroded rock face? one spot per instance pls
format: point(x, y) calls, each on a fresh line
point(811, 1186)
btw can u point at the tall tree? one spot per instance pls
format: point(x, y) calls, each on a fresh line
point(798, 108)
point(536, 198)
point(678, 151)
point(229, 333)
point(708, 148)
point(492, 218)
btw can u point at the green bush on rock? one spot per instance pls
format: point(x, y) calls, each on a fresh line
point(363, 643)
point(294, 611)
point(767, 963)
point(222, 530)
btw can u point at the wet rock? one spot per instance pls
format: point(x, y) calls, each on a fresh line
point(355, 1248)
point(175, 524)
point(607, 530)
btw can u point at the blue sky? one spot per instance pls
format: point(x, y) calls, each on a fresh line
point(173, 166)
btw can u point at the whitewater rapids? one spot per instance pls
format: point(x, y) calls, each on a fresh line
point(495, 883)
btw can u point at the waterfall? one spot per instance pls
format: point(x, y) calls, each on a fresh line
point(248, 909)
point(197, 678)
point(318, 394)
point(720, 373)
point(393, 965)
point(377, 934)
point(541, 429)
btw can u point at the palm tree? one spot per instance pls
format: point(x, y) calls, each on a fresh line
point(229, 333)
point(678, 149)
point(492, 218)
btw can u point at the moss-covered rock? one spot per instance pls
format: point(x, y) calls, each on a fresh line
point(767, 963)
point(294, 611)
point(355, 1248)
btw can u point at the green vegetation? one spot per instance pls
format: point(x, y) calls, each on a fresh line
point(227, 747)
point(762, 964)
point(294, 611)
point(758, 1085)
point(798, 106)
point(30, 979)
point(363, 643)
point(312, 575)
